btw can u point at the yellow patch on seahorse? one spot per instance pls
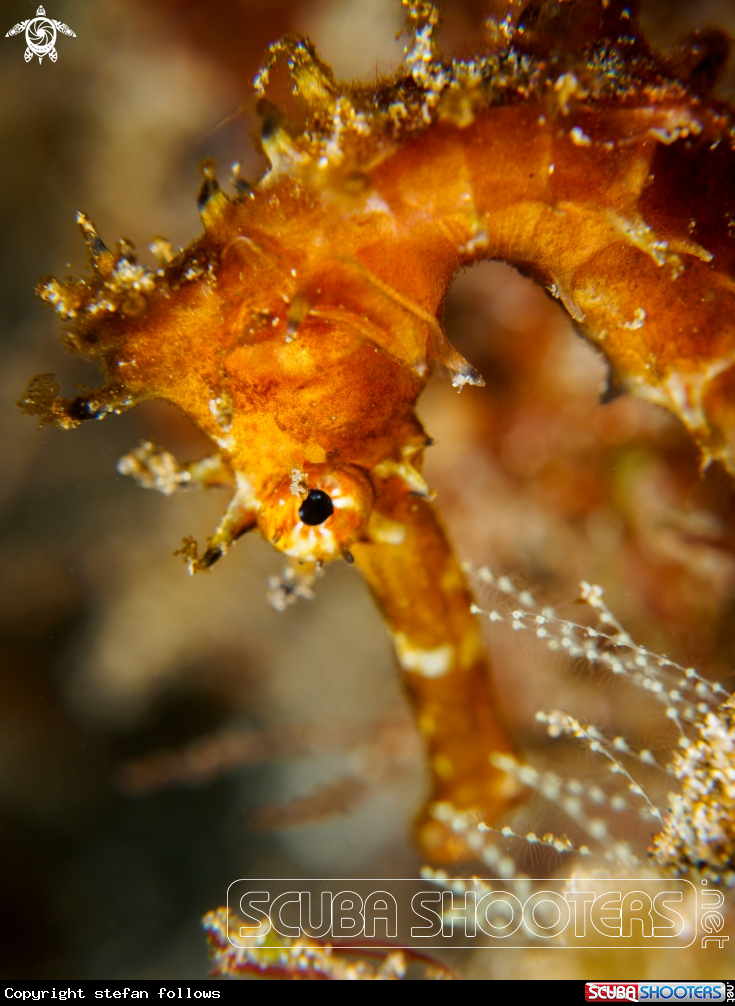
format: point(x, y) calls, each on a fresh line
point(433, 663)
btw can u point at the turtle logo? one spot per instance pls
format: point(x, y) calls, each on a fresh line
point(40, 35)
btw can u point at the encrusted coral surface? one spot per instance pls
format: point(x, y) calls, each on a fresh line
point(699, 833)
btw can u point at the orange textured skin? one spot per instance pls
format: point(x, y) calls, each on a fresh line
point(300, 329)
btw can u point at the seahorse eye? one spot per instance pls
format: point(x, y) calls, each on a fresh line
point(316, 507)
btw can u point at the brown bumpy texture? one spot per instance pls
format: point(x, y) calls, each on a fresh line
point(299, 330)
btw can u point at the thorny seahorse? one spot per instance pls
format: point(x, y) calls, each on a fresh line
point(299, 330)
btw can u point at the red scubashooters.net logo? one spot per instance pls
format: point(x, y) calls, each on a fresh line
point(611, 990)
point(655, 991)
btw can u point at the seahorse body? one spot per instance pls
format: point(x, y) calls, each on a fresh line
point(300, 329)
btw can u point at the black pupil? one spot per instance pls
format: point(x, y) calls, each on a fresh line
point(316, 507)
